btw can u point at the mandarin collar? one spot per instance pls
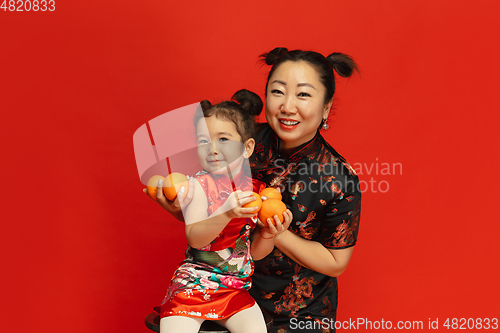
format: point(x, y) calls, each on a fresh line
point(300, 152)
point(238, 180)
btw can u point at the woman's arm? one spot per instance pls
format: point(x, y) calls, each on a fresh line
point(314, 255)
point(339, 228)
point(263, 237)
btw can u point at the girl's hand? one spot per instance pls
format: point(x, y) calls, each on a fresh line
point(234, 205)
point(271, 231)
point(182, 200)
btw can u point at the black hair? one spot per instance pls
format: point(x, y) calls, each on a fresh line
point(343, 64)
point(242, 109)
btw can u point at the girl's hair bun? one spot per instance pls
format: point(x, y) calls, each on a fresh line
point(205, 105)
point(342, 64)
point(249, 101)
point(272, 57)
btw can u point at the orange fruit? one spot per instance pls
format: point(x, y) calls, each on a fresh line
point(270, 193)
point(173, 184)
point(256, 203)
point(151, 186)
point(271, 207)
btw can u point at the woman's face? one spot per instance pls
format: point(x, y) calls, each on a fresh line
point(295, 103)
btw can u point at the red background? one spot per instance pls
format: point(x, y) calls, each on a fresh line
point(84, 250)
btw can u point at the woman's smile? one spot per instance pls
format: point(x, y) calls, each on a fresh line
point(288, 124)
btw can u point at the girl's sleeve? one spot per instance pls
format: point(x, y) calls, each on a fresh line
point(340, 223)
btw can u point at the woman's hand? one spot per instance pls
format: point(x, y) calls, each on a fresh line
point(270, 230)
point(182, 200)
point(233, 207)
point(264, 236)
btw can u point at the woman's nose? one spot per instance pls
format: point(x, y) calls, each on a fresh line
point(288, 106)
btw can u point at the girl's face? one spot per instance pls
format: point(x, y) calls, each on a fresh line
point(295, 103)
point(220, 147)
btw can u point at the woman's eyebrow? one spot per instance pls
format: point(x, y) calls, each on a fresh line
point(298, 85)
point(278, 81)
point(305, 85)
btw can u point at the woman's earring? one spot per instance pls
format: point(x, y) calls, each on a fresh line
point(325, 124)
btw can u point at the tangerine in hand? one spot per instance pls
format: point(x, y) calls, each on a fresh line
point(256, 203)
point(271, 207)
point(152, 184)
point(271, 193)
point(173, 184)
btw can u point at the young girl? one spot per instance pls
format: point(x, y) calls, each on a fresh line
point(213, 281)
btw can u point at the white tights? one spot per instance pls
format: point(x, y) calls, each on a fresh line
point(246, 321)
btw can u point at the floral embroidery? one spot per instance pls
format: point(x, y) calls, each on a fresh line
point(259, 148)
point(267, 296)
point(205, 283)
point(212, 315)
point(232, 282)
point(276, 181)
point(294, 296)
point(297, 187)
point(309, 218)
point(327, 179)
point(206, 297)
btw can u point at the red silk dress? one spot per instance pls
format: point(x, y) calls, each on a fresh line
point(212, 283)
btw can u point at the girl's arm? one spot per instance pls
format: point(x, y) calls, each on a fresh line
point(314, 255)
point(263, 237)
point(200, 228)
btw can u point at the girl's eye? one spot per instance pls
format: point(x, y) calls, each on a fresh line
point(304, 94)
point(223, 139)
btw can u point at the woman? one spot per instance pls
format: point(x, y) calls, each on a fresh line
point(296, 283)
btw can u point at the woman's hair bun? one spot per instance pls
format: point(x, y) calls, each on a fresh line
point(272, 57)
point(249, 101)
point(205, 105)
point(343, 64)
